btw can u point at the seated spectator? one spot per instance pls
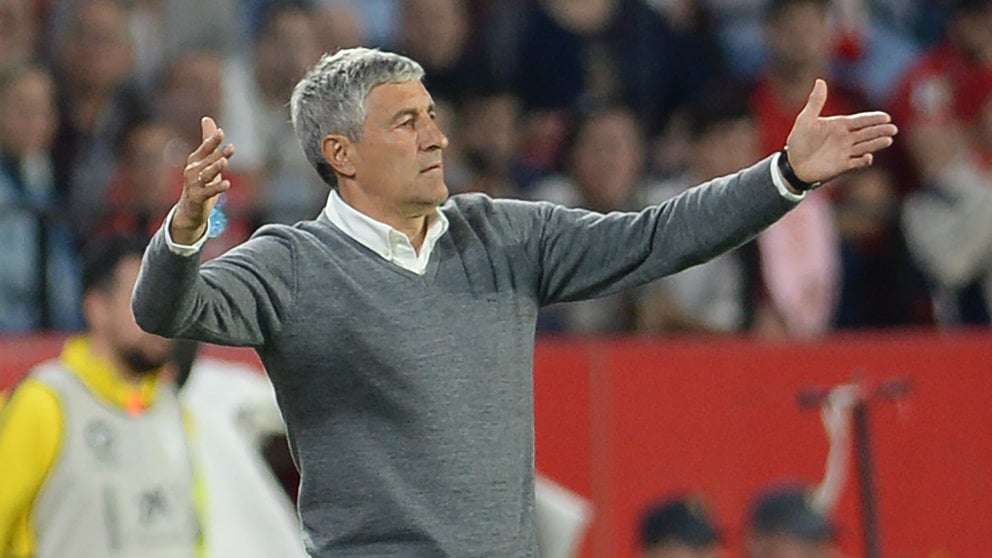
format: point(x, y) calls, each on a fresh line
point(94, 60)
point(285, 47)
point(20, 28)
point(881, 286)
point(943, 108)
point(679, 527)
point(710, 297)
point(146, 184)
point(619, 50)
point(39, 271)
point(799, 266)
point(602, 171)
point(489, 142)
point(194, 84)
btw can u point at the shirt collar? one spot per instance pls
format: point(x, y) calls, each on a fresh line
point(375, 235)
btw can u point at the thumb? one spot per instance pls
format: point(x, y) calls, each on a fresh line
point(207, 127)
point(817, 99)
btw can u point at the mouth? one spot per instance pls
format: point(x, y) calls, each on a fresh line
point(434, 167)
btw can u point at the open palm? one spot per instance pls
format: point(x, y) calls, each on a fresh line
point(823, 147)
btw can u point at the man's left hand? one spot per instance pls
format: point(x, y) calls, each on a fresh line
point(823, 147)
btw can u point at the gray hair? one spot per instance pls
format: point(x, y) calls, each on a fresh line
point(330, 99)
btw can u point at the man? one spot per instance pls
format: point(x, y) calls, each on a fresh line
point(679, 527)
point(93, 450)
point(397, 328)
point(785, 523)
point(946, 102)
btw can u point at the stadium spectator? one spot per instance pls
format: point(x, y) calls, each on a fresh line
point(783, 523)
point(93, 443)
point(799, 268)
point(193, 84)
point(679, 527)
point(20, 30)
point(944, 104)
point(39, 268)
point(711, 297)
point(603, 171)
point(286, 45)
point(94, 61)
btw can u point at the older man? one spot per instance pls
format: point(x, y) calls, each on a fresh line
point(398, 326)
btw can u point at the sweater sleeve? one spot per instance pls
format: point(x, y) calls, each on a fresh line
point(580, 254)
point(240, 298)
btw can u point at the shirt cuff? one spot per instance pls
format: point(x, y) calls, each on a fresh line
point(779, 182)
point(183, 250)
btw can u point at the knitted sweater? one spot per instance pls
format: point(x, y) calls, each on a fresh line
point(408, 399)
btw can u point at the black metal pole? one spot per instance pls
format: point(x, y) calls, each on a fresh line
point(869, 519)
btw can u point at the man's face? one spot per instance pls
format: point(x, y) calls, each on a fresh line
point(27, 114)
point(111, 319)
point(397, 161)
point(800, 37)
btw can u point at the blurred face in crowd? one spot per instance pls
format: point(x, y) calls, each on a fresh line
point(395, 168)
point(152, 159)
point(18, 31)
point(339, 26)
point(287, 47)
point(434, 31)
point(725, 148)
point(97, 53)
point(799, 38)
point(193, 87)
point(582, 16)
point(973, 31)
point(112, 325)
point(608, 159)
point(492, 128)
point(28, 116)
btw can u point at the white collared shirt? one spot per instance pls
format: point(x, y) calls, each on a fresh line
point(392, 245)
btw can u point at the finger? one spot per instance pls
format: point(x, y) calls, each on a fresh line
point(860, 162)
point(195, 167)
point(870, 146)
point(215, 189)
point(212, 172)
point(817, 99)
point(207, 127)
point(209, 145)
point(866, 119)
point(872, 132)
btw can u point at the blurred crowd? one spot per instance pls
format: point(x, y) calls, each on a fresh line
point(604, 104)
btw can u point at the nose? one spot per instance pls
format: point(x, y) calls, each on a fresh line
point(433, 137)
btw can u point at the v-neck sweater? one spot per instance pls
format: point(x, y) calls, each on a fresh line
point(408, 399)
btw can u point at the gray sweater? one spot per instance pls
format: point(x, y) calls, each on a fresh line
point(408, 399)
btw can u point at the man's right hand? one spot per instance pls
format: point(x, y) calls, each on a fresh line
point(202, 184)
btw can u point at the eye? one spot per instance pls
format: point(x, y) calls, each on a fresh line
point(408, 123)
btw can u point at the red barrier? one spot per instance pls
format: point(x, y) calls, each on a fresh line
point(626, 420)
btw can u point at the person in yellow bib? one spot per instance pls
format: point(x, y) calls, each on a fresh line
point(94, 458)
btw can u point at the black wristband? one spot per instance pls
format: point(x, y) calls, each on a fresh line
point(790, 174)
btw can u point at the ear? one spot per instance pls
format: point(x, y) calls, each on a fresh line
point(337, 149)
